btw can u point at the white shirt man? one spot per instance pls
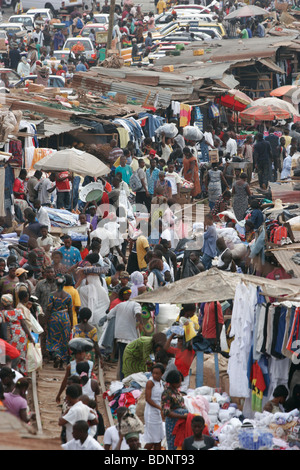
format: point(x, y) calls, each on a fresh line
point(77, 412)
point(43, 188)
point(111, 438)
point(231, 147)
point(89, 444)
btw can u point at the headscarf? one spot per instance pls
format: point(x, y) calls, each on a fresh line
point(7, 299)
point(137, 280)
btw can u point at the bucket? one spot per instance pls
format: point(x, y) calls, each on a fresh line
point(102, 54)
point(167, 315)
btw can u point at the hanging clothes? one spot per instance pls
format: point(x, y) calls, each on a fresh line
point(15, 148)
point(185, 115)
point(242, 327)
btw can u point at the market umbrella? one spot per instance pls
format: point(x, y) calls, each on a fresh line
point(75, 161)
point(286, 90)
point(247, 11)
point(235, 100)
point(216, 285)
point(274, 101)
point(240, 96)
point(264, 113)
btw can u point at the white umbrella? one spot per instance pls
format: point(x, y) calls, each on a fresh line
point(75, 161)
point(246, 12)
point(273, 101)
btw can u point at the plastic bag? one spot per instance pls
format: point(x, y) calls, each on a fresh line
point(81, 344)
point(170, 130)
point(192, 133)
point(35, 326)
point(34, 357)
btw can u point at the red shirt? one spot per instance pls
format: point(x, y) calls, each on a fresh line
point(63, 185)
point(183, 359)
point(19, 187)
point(209, 320)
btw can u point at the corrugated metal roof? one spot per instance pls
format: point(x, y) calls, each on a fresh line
point(58, 128)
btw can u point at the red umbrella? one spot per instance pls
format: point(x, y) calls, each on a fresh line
point(235, 100)
point(7, 349)
point(264, 113)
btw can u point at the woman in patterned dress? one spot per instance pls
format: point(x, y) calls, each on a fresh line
point(18, 331)
point(59, 317)
point(172, 405)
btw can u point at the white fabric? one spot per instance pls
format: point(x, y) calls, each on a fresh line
point(43, 217)
point(107, 240)
point(242, 326)
point(95, 297)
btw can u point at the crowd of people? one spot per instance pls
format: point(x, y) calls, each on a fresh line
point(56, 288)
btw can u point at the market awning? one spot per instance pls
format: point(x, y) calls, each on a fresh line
point(215, 285)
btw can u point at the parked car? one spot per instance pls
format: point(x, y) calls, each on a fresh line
point(45, 13)
point(101, 38)
point(26, 20)
point(89, 51)
point(12, 28)
point(8, 78)
point(167, 17)
point(102, 18)
point(55, 81)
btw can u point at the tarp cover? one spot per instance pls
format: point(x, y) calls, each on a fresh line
point(215, 285)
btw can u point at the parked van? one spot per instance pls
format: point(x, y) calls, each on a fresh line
point(53, 5)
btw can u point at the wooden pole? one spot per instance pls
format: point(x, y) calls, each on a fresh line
point(110, 24)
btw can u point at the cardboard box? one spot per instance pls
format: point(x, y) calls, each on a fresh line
point(3, 46)
point(168, 68)
point(198, 52)
point(214, 156)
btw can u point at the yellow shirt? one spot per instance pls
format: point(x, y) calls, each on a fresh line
point(161, 6)
point(141, 249)
point(76, 302)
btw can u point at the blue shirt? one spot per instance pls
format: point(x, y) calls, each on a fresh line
point(71, 255)
point(126, 172)
point(210, 239)
point(257, 218)
point(80, 68)
point(152, 177)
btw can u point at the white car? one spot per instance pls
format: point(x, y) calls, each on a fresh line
point(44, 13)
point(13, 28)
point(89, 52)
point(102, 19)
point(25, 20)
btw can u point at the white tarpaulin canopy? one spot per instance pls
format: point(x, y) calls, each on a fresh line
point(216, 285)
point(75, 161)
point(247, 12)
